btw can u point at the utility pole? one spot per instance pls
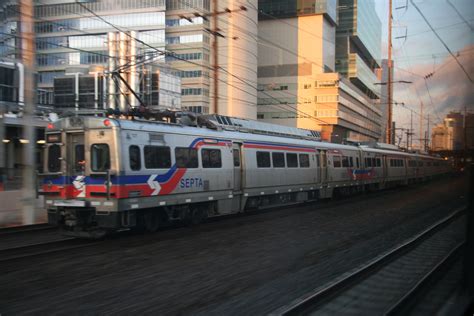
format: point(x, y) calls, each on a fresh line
point(215, 66)
point(427, 138)
point(28, 56)
point(389, 72)
point(421, 125)
point(411, 128)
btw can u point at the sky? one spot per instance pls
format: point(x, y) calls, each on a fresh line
point(421, 53)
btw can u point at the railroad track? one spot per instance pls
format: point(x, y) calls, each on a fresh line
point(41, 248)
point(25, 229)
point(312, 302)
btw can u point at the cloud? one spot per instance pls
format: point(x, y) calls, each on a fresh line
point(449, 87)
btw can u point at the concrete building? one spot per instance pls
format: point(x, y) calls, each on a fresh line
point(456, 133)
point(298, 85)
point(70, 36)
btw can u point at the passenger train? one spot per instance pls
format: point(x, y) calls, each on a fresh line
point(107, 174)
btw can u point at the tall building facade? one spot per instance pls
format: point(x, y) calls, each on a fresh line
point(456, 133)
point(299, 54)
point(172, 32)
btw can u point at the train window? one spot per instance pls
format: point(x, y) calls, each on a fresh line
point(368, 162)
point(236, 154)
point(304, 160)
point(54, 155)
point(357, 162)
point(157, 157)
point(379, 162)
point(345, 161)
point(402, 163)
point(278, 160)
point(186, 157)
point(134, 157)
point(211, 158)
point(318, 164)
point(100, 157)
point(79, 158)
point(263, 159)
point(291, 160)
point(337, 161)
point(351, 162)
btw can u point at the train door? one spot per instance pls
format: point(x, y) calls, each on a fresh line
point(75, 162)
point(323, 167)
point(236, 151)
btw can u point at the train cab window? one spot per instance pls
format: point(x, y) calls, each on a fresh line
point(304, 160)
point(345, 161)
point(134, 157)
point(157, 157)
point(337, 161)
point(100, 157)
point(211, 158)
point(186, 157)
point(291, 160)
point(236, 154)
point(278, 160)
point(54, 155)
point(263, 159)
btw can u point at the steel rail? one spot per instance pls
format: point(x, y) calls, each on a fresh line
point(24, 229)
point(310, 301)
point(36, 249)
point(406, 302)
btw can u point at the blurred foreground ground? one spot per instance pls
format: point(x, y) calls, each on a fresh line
point(244, 265)
point(10, 209)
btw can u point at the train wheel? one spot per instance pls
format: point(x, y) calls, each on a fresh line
point(151, 221)
point(198, 215)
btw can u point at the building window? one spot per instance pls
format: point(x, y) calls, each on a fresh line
point(278, 160)
point(263, 159)
point(191, 91)
point(211, 158)
point(186, 157)
point(157, 157)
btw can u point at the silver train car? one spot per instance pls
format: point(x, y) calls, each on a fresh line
point(104, 174)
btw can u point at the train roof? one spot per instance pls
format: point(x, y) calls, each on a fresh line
point(74, 122)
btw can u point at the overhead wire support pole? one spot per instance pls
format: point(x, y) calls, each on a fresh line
point(215, 100)
point(28, 57)
point(389, 73)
